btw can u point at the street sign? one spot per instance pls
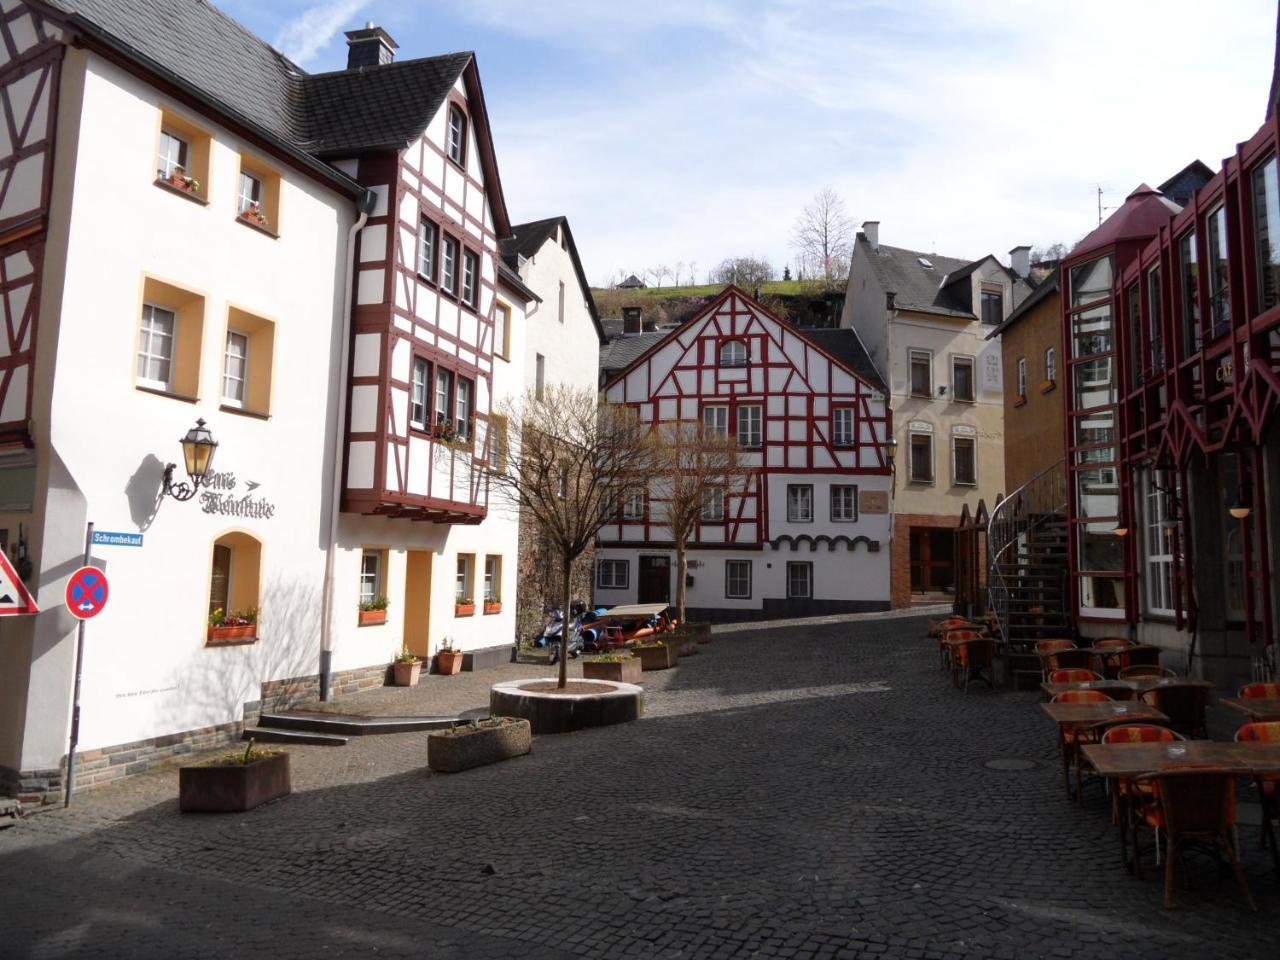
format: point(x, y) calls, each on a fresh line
point(105, 538)
point(87, 592)
point(15, 598)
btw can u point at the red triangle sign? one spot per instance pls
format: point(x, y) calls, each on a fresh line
point(15, 598)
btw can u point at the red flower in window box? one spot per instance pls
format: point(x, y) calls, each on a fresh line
point(253, 214)
point(178, 178)
point(225, 627)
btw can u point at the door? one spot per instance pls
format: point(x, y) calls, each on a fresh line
point(932, 567)
point(417, 603)
point(655, 580)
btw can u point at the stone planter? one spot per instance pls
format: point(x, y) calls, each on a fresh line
point(582, 705)
point(699, 632)
point(406, 674)
point(372, 616)
point(623, 671)
point(464, 748)
point(233, 789)
point(449, 662)
point(656, 658)
point(681, 641)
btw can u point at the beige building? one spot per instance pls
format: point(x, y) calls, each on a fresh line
point(924, 320)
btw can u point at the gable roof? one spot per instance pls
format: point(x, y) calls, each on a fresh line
point(632, 283)
point(936, 288)
point(846, 346)
point(621, 353)
point(527, 239)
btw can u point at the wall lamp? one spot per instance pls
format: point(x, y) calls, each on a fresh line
point(891, 450)
point(198, 447)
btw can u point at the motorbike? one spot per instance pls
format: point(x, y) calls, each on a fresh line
point(554, 630)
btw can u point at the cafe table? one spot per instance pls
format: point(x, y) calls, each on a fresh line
point(1087, 713)
point(1127, 760)
point(1259, 709)
point(1136, 687)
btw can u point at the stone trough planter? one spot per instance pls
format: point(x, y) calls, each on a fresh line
point(234, 788)
point(464, 747)
point(656, 658)
point(622, 671)
point(698, 632)
point(583, 704)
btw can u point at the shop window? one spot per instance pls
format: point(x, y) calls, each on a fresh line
point(844, 503)
point(258, 196)
point(1159, 530)
point(842, 426)
point(612, 574)
point(170, 334)
point(799, 581)
point(737, 579)
point(921, 458)
point(799, 503)
point(962, 379)
point(921, 362)
point(234, 585)
point(750, 425)
point(182, 156)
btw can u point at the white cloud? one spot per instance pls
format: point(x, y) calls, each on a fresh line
point(310, 31)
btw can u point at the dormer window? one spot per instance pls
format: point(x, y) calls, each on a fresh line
point(992, 307)
point(733, 353)
point(457, 136)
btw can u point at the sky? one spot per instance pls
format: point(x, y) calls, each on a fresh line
point(688, 131)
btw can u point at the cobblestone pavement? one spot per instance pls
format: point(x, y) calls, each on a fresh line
point(800, 792)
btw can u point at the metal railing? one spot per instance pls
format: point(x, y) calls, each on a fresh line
point(1040, 500)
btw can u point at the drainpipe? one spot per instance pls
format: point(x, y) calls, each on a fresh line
point(365, 205)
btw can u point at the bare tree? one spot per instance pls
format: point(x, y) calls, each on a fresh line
point(567, 455)
point(823, 235)
point(661, 272)
point(743, 271)
point(677, 271)
point(693, 273)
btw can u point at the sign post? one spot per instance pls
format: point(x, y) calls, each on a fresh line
point(86, 596)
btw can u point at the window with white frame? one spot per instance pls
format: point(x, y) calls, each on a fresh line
point(462, 408)
point(463, 581)
point(1022, 377)
point(842, 426)
point(844, 503)
point(444, 395)
point(173, 154)
point(235, 369)
point(155, 346)
point(370, 576)
point(921, 462)
point(799, 580)
point(800, 503)
point(921, 363)
point(428, 235)
point(492, 579)
point(750, 425)
point(964, 462)
point(449, 265)
point(1157, 540)
point(420, 395)
point(457, 140)
point(633, 505)
point(1051, 364)
point(715, 421)
point(612, 574)
point(250, 197)
point(712, 506)
point(470, 279)
point(737, 579)
point(962, 379)
point(733, 353)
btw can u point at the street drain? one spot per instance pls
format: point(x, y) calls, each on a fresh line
point(1010, 764)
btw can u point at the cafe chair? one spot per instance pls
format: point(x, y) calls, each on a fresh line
point(1072, 736)
point(1260, 691)
point(1074, 675)
point(1197, 803)
point(975, 658)
point(1268, 784)
point(1047, 651)
point(1144, 671)
point(1140, 656)
point(1184, 705)
point(1110, 653)
point(1127, 790)
point(946, 651)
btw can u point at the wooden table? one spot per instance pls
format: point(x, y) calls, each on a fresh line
point(1134, 759)
point(1258, 708)
point(1137, 686)
point(1087, 713)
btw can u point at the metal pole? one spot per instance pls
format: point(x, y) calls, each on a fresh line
point(75, 697)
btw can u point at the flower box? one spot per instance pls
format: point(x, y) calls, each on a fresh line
point(492, 607)
point(233, 788)
point(619, 671)
point(660, 657)
point(1048, 386)
point(405, 673)
point(449, 662)
point(464, 609)
point(246, 631)
point(372, 616)
point(1019, 399)
point(490, 741)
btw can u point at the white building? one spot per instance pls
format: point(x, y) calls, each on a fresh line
point(809, 532)
point(192, 227)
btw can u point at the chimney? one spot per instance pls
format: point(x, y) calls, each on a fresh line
point(630, 321)
point(1020, 261)
point(370, 47)
point(872, 230)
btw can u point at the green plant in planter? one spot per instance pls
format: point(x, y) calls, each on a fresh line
point(242, 758)
point(406, 657)
point(473, 726)
point(241, 618)
point(649, 643)
point(377, 603)
point(611, 657)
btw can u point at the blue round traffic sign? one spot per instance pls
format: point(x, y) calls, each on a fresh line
point(87, 592)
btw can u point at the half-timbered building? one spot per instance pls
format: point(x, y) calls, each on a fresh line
point(807, 531)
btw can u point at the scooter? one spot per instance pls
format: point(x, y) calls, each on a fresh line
point(551, 635)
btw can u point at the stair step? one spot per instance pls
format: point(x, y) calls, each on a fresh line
point(354, 726)
point(277, 735)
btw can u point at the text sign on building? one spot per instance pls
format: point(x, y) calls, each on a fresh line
point(106, 538)
point(873, 501)
point(87, 592)
point(15, 598)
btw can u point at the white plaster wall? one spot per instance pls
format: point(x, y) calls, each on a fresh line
point(572, 349)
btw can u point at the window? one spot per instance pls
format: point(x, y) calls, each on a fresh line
point(1219, 295)
point(497, 441)
point(712, 506)
point(1266, 231)
point(463, 585)
point(992, 307)
point(449, 265)
point(612, 574)
point(842, 426)
point(1022, 378)
point(1189, 276)
point(155, 347)
point(799, 581)
point(462, 408)
point(235, 362)
point(1153, 320)
point(733, 353)
point(250, 198)
point(964, 464)
point(921, 373)
point(174, 154)
point(258, 195)
point(922, 458)
point(799, 503)
point(420, 395)
point(749, 418)
point(715, 421)
point(502, 331)
point(962, 378)
point(633, 505)
point(1157, 540)
point(540, 375)
point(1051, 365)
point(737, 579)
point(370, 576)
point(457, 143)
point(470, 279)
point(492, 579)
point(234, 574)
point(844, 502)
point(560, 313)
point(182, 155)
point(220, 579)
point(428, 234)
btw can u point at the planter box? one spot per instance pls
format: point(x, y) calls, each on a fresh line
point(681, 641)
point(233, 789)
point(492, 607)
point(406, 674)
point(464, 609)
point(453, 752)
point(449, 662)
point(656, 658)
point(625, 671)
point(699, 632)
point(372, 616)
point(226, 634)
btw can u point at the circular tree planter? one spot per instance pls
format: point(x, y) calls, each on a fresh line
point(583, 704)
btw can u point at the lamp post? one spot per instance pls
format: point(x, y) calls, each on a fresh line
point(198, 447)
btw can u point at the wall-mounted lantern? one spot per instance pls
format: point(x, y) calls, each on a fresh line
point(891, 450)
point(198, 447)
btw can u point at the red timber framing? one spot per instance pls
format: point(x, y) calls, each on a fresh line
point(797, 388)
point(30, 64)
point(418, 316)
point(1197, 374)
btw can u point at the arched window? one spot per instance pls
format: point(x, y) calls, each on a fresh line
point(234, 580)
point(457, 136)
point(733, 353)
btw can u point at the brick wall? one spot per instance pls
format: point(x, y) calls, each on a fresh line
point(1034, 429)
point(900, 556)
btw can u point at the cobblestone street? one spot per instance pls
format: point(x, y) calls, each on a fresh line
point(805, 791)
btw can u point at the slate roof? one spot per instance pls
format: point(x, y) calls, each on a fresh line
point(621, 353)
point(846, 346)
point(1182, 186)
point(935, 289)
point(527, 239)
point(631, 283)
point(513, 280)
point(1047, 287)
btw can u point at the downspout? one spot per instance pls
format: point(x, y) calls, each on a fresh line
point(365, 205)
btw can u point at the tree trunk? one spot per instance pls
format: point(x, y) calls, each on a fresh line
point(567, 616)
point(682, 564)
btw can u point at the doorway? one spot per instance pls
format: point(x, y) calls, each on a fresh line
point(417, 603)
point(655, 580)
point(932, 560)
